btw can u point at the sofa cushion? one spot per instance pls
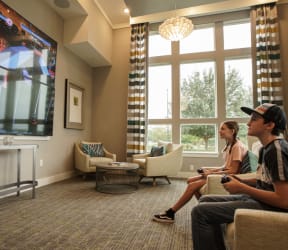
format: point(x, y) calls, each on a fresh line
point(157, 151)
point(93, 149)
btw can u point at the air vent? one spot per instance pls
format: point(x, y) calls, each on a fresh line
point(62, 3)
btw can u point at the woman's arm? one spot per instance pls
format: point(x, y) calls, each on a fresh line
point(232, 169)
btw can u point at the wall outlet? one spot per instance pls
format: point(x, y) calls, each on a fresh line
point(41, 163)
point(191, 167)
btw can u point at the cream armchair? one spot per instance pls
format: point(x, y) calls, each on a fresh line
point(163, 166)
point(87, 164)
point(258, 230)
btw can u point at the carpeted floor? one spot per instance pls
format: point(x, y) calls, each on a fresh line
point(72, 215)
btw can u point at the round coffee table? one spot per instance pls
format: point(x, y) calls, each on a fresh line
point(117, 177)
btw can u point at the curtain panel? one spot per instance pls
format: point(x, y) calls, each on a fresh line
point(268, 65)
point(136, 112)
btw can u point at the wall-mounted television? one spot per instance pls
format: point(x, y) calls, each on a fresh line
point(27, 76)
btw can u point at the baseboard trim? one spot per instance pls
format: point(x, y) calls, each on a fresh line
point(46, 181)
point(55, 178)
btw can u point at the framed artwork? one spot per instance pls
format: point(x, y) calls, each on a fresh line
point(74, 102)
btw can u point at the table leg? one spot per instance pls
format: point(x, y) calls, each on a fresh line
point(18, 170)
point(34, 173)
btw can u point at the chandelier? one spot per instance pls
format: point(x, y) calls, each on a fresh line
point(176, 28)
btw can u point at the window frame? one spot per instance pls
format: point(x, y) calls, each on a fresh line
point(219, 56)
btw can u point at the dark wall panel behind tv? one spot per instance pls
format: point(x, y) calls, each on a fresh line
point(27, 76)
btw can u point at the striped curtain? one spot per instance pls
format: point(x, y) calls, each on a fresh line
point(136, 113)
point(268, 74)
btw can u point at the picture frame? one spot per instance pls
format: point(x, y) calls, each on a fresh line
point(74, 103)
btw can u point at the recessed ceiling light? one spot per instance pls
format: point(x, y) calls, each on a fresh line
point(126, 11)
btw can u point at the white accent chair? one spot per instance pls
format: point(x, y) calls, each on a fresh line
point(86, 164)
point(162, 166)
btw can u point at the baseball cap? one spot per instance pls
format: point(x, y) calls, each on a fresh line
point(270, 112)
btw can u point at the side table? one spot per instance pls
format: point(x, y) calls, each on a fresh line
point(117, 177)
point(20, 185)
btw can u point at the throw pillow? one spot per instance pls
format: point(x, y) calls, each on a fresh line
point(157, 151)
point(93, 149)
point(168, 146)
point(253, 161)
point(249, 163)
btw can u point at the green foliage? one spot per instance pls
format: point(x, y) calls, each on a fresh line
point(237, 94)
point(198, 95)
point(198, 101)
point(196, 133)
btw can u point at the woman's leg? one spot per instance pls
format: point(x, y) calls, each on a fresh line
point(194, 178)
point(191, 189)
point(168, 216)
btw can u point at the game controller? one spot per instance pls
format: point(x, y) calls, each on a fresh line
point(225, 178)
point(200, 170)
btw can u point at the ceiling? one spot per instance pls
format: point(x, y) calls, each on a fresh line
point(140, 11)
point(113, 10)
point(149, 10)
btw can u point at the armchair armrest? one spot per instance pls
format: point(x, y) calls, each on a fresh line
point(81, 159)
point(257, 229)
point(167, 164)
point(109, 154)
point(139, 156)
point(214, 185)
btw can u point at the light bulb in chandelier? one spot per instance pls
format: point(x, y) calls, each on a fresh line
point(176, 28)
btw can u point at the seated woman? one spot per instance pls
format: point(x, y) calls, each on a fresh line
point(233, 153)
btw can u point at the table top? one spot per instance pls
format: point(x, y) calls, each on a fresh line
point(18, 146)
point(117, 165)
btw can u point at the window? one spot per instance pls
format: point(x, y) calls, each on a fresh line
point(159, 95)
point(155, 49)
point(198, 41)
point(197, 90)
point(199, 82)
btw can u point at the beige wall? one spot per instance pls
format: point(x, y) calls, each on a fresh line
point(110, 97)
point(105, 98)
point(57, 151)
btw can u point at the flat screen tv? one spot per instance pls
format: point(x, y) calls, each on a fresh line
point(27, 76)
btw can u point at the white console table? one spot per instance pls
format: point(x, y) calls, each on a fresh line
point(20, 185)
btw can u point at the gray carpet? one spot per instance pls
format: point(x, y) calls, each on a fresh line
point(72, 215)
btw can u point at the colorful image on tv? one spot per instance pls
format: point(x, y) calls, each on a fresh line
point(27, 76)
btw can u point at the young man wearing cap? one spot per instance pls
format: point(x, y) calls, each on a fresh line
point(270, 190)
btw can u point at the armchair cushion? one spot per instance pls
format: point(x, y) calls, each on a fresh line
point(93, 149)
point(157, 151)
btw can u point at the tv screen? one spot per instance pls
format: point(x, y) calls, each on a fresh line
point(27, 76)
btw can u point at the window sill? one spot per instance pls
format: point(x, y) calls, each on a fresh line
point(200, 155)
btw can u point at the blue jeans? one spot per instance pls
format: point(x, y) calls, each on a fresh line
point(211, 213)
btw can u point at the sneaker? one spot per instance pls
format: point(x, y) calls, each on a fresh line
point(165, 218)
